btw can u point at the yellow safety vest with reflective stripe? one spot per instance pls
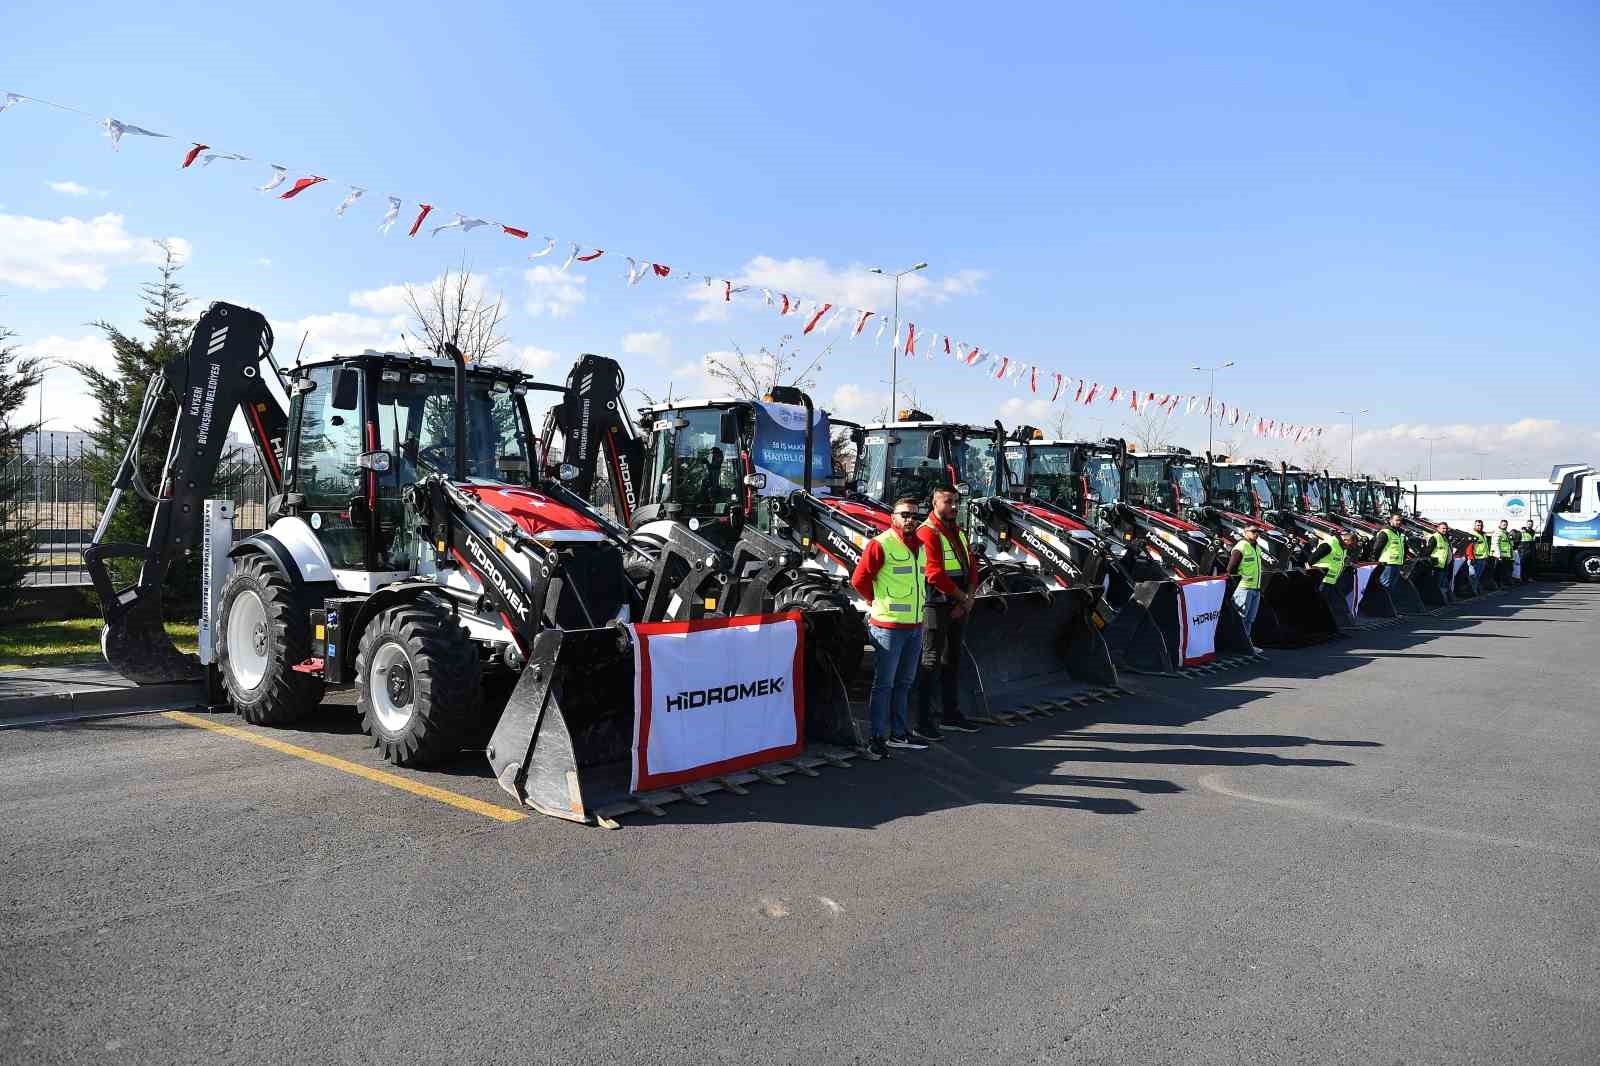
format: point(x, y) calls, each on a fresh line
point(1333, 562)
point(1441, 549)
point(1505, 542)
point(1394, 547)
point(952, 561)
point(1249, 564)
point(1480, 546)
point(898, 589)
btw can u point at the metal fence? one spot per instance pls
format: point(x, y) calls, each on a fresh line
point(57, 496)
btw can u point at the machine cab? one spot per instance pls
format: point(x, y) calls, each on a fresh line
point(364, 428)
point(915, 456)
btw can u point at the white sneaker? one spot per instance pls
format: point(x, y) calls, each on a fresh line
point(906, 742)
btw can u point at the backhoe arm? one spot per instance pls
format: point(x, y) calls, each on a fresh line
point(221, 373)
point(592, 422)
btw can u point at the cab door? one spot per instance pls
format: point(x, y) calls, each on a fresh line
point(327, 428)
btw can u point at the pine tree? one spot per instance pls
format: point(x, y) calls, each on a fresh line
point(19, 375)
point(120, 395)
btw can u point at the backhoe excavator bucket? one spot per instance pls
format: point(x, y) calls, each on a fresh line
point(1424, 577)
point(564, 743)
point(1294, 613)
point(137, 645)
point(1146, 635)
point(1023, 647)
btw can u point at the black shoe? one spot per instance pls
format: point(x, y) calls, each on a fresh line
point(907, 743)
point(928, 732)
point(959, 725)
point(877, 747)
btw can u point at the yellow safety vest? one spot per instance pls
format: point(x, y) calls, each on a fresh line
point(1334, 560)
point(1480, 546)
point(1394, 547)
point(952, 561)
point(1249, 564)
point(1441, 550)
point(1505, 542)
point(898, 592)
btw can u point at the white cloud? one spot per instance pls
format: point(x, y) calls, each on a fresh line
point(1020, 409)
point(853, 401)
point(654, 343)
point(550, 292)
point(67, 403)
point(391, 299)
point(338, 332)
point(532, 358)
point(263, 261)
point(73, 253)
point(1527, 447)
point(72, 188)
point(847, 286)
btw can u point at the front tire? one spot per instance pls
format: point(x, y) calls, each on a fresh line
point(266, 631)
point(1588, 567)
point(418, 682)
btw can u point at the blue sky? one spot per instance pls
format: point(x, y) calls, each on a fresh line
point(1364, 206)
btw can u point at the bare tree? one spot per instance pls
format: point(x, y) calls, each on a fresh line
point(1314, 454)
point(455, 309)
point(1149, 426)
point(753, 376)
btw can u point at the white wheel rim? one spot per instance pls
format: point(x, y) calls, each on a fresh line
point(247, 639)
point(391, 684)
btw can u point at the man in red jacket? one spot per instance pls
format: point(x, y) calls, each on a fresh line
point(890, 578)
point(952, 573)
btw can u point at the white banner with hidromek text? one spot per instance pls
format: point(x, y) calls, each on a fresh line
point(715, 696)
point(1200, 604)
point(1361, 577)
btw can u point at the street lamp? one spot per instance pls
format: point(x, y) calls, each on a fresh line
point(1352, 414)
point(894, 342)
point(1211, 372)
point(1430, 441)
point(1480, 456)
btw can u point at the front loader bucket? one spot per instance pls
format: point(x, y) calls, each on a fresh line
point(1375, 601)
point(1146, 635)
point(1424, 577)
point(563, 744)
point(1404, 595)
point(1024, 646)
point(1294, 613)
point(828, 718)
point(137, 645)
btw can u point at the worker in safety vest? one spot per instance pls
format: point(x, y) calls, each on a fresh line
point(889, 577)
point(1330, 556)
point(1389, 548)
point(1478, 557)
point(952, 573)
point(1245, 561)
point(1529, 536)
point(1504, 549)
point(1441, 555)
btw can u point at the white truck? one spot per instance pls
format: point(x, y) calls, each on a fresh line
point(1565, 508)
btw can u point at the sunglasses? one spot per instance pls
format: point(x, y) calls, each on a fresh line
point(905, 514)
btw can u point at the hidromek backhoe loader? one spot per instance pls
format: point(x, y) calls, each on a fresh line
point(413, 551)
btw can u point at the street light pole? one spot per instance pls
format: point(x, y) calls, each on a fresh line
point(1480, 456)
point(1211, 399)
point(1430, 441)
point(1352, 414)
point(894, 340)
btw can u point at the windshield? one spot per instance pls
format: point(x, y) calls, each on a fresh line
point(699, 472)
point(974, 460)
point(1105, 480)
point(1263, 490)
point(1228, 489)
point(914, 473)
point(1051, 477)
point(1313, 494)
point(416, 425)
point(1347, 498)
point(1191, 481)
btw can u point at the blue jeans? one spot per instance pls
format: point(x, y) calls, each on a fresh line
point(1388, 575)
point(1475, 574)
point(896, 653)
point(1249, 603)
point(1447, 588)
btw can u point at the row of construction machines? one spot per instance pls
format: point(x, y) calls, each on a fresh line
point(420, 548)
point(732, 468)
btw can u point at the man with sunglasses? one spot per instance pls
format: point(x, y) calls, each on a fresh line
point(952, 573)
point(890, 578)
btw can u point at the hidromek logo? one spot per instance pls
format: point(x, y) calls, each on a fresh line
point(842, 547)
point(492, 573)
point(1044, 551)
point(1204, 617)
point(704, 697)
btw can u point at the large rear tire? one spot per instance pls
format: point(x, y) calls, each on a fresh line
point(418, 682)
point(265, 632)
point(1588, 567)
point(848, 640)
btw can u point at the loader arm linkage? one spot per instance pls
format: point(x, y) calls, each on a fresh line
point(219, 374)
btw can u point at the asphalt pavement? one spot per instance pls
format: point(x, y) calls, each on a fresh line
point(1379, 850)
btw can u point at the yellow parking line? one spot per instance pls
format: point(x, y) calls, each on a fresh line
point(382, 777)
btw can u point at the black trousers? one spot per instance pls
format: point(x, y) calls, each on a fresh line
point(941, 662)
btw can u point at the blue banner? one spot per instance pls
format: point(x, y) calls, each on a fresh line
point(780, 444)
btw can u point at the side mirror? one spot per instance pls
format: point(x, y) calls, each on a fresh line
point(729, 427)
point(933, 447)
point(756, 481)
point(567, 472)
point(346, 382)
point(375, 461)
